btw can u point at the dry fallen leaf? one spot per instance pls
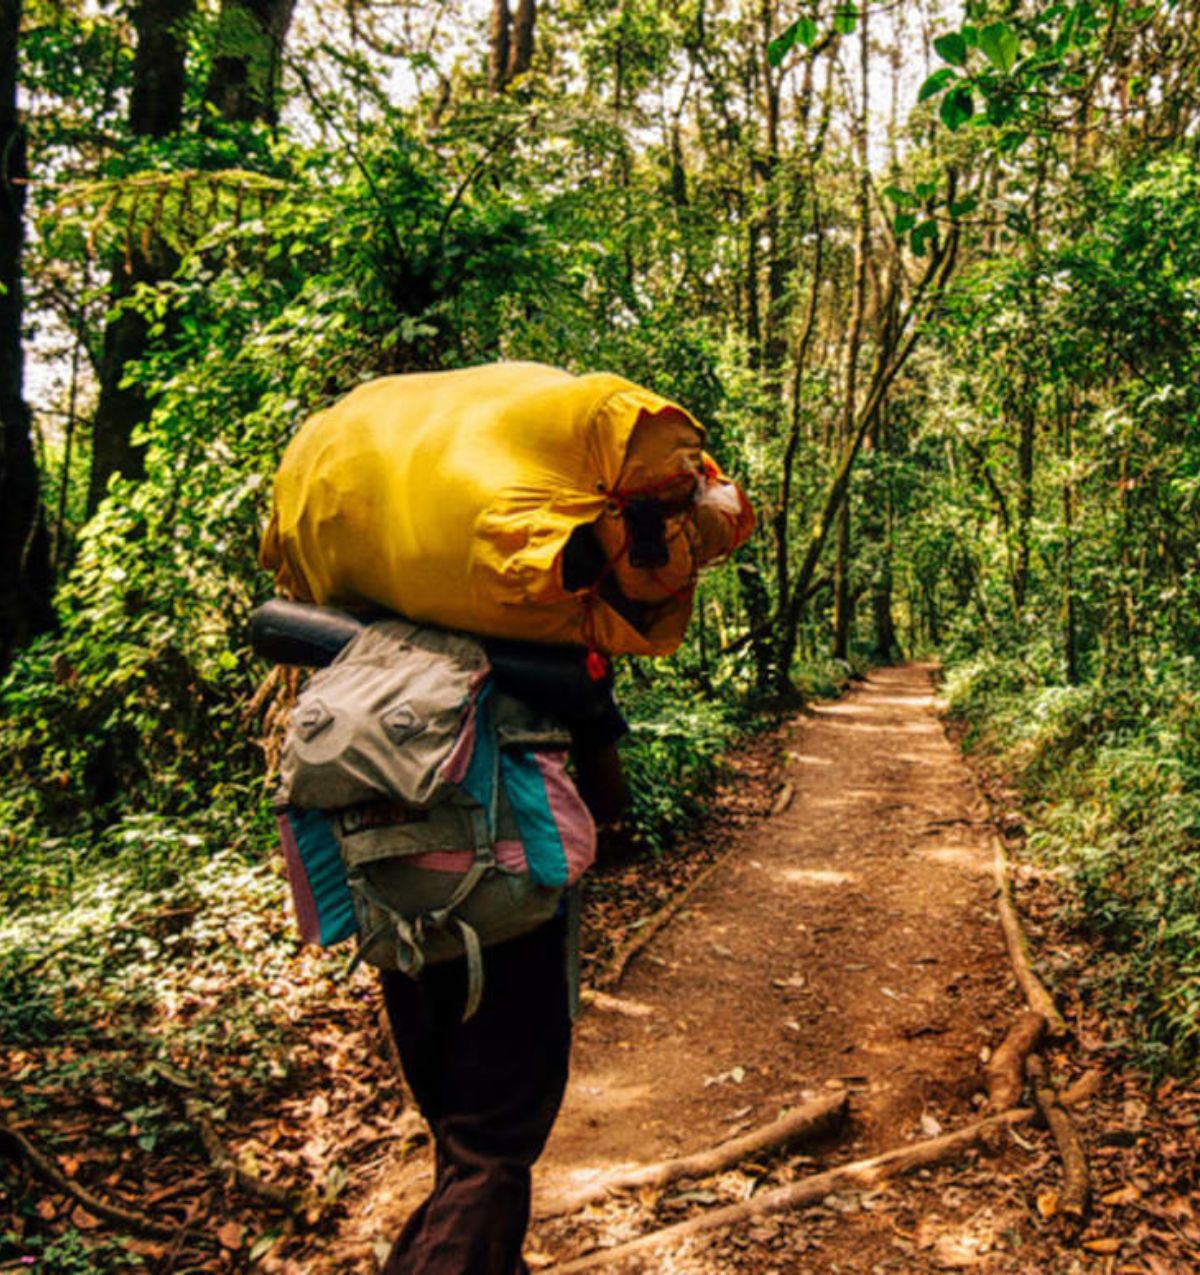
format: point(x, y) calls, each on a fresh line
point(81, 1218)
point(1124, 1195)
point(1106, 1245)
point(230, 1235)
point(1047, 1204)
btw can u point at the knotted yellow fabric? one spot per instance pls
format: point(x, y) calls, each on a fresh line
point(450, 497)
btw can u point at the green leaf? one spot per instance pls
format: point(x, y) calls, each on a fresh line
point(964, 207)
point(904, 223)
point(926, 190)
point(922, 236)
point(1000, 46)
point(845, 19)
point(902, 198)
point(951, 48)
point(957, 107)
point(783, 44)
point(937, 82)
point(802, 31)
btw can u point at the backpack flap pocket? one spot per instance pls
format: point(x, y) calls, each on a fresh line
point(390, 718)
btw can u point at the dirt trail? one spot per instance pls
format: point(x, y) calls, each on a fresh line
point(851, 941)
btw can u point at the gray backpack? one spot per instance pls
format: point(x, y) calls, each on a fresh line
point(422, 809)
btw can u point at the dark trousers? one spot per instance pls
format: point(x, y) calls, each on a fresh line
point(490, 1089)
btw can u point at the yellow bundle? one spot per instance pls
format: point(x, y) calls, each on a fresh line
point(451, 497)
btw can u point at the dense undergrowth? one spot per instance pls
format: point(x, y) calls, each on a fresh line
point(1109, 775)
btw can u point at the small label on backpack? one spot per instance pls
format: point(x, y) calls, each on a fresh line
point(311, 719)
point(401, 722)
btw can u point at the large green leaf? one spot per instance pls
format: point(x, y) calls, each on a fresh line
point(957, 107)
point(936, 83)
point(952, 48)
point(1000, 46)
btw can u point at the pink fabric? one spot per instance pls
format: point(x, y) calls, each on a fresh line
point(575, 826)
point(459, 758)
point(509, 854)
point(302, 897)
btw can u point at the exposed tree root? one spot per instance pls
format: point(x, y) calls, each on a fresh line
point(614, 971)
point(810, 1190)
point(1035, 993)
point(224, 1162)
point(18, 1146)
point(1006, 1068)
point(1075, 1196)
point(807, 1123)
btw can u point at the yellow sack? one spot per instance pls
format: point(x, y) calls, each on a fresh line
point(450, 497)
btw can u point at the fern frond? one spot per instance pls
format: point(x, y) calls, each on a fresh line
point(171, 210)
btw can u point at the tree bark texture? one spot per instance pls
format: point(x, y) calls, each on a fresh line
point(520, 45)
point(155, 110)
point(25, 578)
point(499, 39)
point(843, 604)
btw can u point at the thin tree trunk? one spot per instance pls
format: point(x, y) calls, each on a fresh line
point(1069, 610)
point(843, 605)
point(25, 577)
point(155, 110)
point(520, 48)
point(498, 46)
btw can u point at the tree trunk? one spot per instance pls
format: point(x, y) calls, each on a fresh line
point(1024, 508)
point(155, 110)
point(498, 46)
point(25, 578)
point(843, 605)
point(520, 48)
point(243, 83)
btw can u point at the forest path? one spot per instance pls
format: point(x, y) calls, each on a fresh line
point(851, 942)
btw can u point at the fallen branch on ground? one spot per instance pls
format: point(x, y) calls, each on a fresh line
point(784, 800)
point(1006, 1069)
point(1038, 998)
point(614, 1004)
point(1076, 1192)
point(807, 1123)
point(19, 1146)
point(810, 1190)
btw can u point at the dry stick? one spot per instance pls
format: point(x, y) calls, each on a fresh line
point(1005, 1069)
point(614, 971)
point(138, 1223)
point(810, 1190)
point(807, 1123)
point(224, 1162)
point(1036, 995)
point(1076, 1193)
point(784, 800)
point(615, 1004)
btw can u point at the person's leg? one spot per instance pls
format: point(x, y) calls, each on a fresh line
point(490, 1089)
